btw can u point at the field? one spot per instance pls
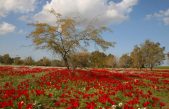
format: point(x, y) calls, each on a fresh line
point(56, 88)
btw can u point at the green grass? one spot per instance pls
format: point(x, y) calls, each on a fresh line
point(162, 67)
point(17, 79)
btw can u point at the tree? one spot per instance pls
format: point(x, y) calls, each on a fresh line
point(111, 61)
point(58, 63)
point(153, 53)
point(17, 61)
point(125, 61)
point(66, 36)
point(44, 62)
point(29, 61)
point(0, 59)
point(138, 60)
point(168, 57)
point(6, 59)
point(97, 59)
point(80, 59)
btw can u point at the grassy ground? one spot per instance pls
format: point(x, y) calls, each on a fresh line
point(162, 67)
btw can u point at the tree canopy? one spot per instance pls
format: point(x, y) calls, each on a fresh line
point(66, 36)
point(149, 54)
point(137, 57)
point(125, 61)
point(153, 53)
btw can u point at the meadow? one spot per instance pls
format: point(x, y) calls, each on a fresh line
point(58, 88)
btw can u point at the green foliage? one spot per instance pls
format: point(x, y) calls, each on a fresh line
point(29, 61)
point(125, 61)
point(111, 61)
point(17, 61)
point(80, 59)
point(97, 59)
point(149, 54)
point(6, 59)
point(57, 63)
point(153, 53)
point(44, 62)
point(137, 57)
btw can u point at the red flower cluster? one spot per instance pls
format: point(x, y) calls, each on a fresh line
point(90, 89)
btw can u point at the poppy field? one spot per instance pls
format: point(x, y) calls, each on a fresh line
point(56, 88)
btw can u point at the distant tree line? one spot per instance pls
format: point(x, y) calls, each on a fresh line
point(146, 55)
point(6, 59)
point(83, 59)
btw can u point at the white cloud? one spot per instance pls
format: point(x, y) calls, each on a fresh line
point(21, 31)
point(98, 10)
point(25, 18)
point(21, 6)
point(6, 28)
point(162, 15)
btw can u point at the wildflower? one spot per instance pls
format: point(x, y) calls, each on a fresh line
point(113, 107)
point(120, 104)
point(50, 95)
point(162, 104)
point(75, 103)
point(20, 104)
point(145, 104)
point(57, 104)
point(6, 104)
point(91, 105)
point(29, 106)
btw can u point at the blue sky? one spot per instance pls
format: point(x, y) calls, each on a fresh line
point(134, 22)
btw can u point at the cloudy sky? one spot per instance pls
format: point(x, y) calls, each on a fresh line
point(132, 22)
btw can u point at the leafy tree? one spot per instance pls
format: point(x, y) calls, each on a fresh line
point(6, 59)
point(138, 60)
point(80, 59)
point(153, 53)
point(44, 62)
point(58, 63)
point(17, 61)
point(29, 61)
point(66, 36)
point(111, 61)
point(97, 59)
point(167, 55)
point(0, 59)
point(125, 61)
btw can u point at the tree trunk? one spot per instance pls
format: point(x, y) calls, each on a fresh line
point(151, 67)
point(65, 59)
point(66, 62)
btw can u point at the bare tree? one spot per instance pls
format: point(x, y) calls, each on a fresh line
point(66, 36)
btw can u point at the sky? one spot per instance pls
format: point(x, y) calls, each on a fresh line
point(132, 22)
